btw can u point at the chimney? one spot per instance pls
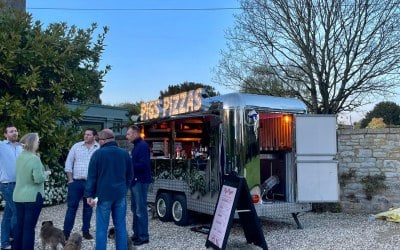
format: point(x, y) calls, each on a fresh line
point(19, 5)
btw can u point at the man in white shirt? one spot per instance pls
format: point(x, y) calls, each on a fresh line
point(76, 168)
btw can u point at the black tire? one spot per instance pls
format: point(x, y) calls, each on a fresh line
point(180, 213)
point(164, 206)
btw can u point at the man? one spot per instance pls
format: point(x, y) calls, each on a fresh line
point(110, 175)
point(142, 178)
point(76, 167)
point(9, 150)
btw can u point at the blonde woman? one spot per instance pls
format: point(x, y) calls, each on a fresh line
point(29, 192)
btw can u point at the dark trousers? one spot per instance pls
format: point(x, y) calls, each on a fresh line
point(76, 190)
point(140, 224)
point(9, 220)
point(27, 217)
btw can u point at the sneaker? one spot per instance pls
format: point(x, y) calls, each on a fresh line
point(87, 236)
point(6, 248)
point(140, 242)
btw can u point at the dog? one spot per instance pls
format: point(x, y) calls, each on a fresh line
point(51, 235)
point(151, 208)
point(74, 242)
point(111, 235)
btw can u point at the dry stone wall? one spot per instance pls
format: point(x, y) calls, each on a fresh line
point(369, 152)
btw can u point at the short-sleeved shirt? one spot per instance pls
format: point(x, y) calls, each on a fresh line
point(78, 159)
point(8, 156)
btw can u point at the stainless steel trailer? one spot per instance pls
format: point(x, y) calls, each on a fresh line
point(269, 140)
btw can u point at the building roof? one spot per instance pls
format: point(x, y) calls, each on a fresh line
point(98, 110)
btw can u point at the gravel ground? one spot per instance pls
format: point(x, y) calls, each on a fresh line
point(321, 231)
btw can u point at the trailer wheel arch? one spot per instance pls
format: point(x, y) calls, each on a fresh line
point(163, 206)
point(180, 213)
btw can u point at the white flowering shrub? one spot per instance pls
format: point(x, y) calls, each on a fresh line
point(55, 189)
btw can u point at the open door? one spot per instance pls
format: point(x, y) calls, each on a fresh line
point(316, 148)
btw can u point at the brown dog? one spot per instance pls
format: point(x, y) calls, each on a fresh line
point(74, 242)
point(152, 210)
point(111, 235)
point(51, 235)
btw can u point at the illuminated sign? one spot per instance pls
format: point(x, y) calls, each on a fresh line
point(181, 103)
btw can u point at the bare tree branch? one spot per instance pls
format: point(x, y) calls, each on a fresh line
point(332, 54)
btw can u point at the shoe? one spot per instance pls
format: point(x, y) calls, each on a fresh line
point(66, 236)
point(134, 238)
point(140, 242)
point(87, 236)
point(6, 248)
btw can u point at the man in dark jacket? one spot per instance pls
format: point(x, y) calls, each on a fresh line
point(109, 177)
point(142, 178)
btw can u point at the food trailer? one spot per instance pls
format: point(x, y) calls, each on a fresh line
point(286, 155)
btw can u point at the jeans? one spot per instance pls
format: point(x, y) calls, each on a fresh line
point(118, 213)
point(75, 195)
point(27, 217)
point(139, 209)
point(9, 222)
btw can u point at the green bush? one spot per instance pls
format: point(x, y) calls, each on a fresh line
point(373, 184)
point(41, 70)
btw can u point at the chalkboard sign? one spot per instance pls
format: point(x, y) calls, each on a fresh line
point(235, 196)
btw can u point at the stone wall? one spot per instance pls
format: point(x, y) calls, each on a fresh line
point(363, 152)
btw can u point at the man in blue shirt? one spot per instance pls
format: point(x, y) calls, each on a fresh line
point(9, 151)
point(141, 180)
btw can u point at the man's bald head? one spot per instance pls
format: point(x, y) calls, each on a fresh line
point(106, 135)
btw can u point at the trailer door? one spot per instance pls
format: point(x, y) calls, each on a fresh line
point(317, 168)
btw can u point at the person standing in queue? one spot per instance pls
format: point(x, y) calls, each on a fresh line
point(10, 149)
point(109, 177)
point(76, 168)
point(29, 192)
point(142, 178)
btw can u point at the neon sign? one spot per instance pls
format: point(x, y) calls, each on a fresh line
point(181, 103)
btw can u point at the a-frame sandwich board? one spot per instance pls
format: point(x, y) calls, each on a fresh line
point(234, 197)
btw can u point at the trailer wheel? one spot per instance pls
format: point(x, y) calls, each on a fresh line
point(163, 206)
point(180, 213)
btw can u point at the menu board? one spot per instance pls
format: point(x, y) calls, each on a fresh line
point(234, 196)
point(222, 215)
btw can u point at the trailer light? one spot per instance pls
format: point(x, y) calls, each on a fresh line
point(256, 198)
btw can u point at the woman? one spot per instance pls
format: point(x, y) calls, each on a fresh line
point(29, 192)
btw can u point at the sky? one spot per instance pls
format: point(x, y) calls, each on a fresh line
point(149, 49)
point(152, 44)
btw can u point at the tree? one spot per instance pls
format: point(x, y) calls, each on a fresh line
point(389, 111)
point(376, 123)
point(263, 81)
point(133, 109)
point(41, 70)
point(186, 86)
point(333, 55)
